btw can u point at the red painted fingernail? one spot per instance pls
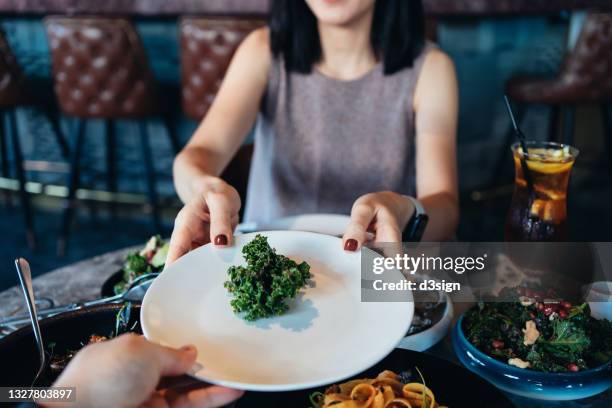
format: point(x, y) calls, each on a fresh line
point(220, 240)
point(350, 245)
point(188, 349)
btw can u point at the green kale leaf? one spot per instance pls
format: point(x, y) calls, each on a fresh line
point(262, 287)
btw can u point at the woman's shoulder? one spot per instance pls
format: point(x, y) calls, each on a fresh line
point(434, 57)
point(254, 51)
point(258, 40)
point(437, 71)
point(435, 65)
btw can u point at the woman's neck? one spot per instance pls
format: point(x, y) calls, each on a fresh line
point(346, 50)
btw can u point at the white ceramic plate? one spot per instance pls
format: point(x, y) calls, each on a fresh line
point(329, 224)
point(327, 335)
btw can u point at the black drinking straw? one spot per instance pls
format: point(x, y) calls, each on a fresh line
point(521, 137)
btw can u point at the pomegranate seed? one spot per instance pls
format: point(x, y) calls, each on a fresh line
point(540, 306)
point(497, 344)
point(562, 314)
point(548, 310)
point(566, 305)
point(572, 367)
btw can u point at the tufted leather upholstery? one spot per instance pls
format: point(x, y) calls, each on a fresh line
point(12, 87)
point(586, 75)
point(454, 7)
point(207, 46)
point(99, 68)
point(249, 7)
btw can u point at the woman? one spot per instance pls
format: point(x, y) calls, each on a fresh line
point(354, 113)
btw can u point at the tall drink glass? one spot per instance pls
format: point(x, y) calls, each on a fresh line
point(541, 216)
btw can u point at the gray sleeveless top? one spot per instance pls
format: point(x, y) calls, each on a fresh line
point(320, 143)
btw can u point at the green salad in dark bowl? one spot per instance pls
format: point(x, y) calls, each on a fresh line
point(538, 333)
point(536, 346)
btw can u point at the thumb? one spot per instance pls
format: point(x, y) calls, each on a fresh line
point(174, 361)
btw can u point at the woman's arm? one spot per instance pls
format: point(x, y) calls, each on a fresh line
point(211, 206)
point(386, 213)
point(228, 120)
point(436, 107)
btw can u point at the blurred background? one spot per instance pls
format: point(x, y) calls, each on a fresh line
point(96, 98)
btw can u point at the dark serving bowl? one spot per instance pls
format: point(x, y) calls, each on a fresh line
point(530, 383)
point(108, 287)
point(68, 331)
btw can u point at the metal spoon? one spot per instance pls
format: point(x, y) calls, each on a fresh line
point(25, 278)
point(135, 293)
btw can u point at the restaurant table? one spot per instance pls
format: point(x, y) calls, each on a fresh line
point(82, 281)
point(246, 7)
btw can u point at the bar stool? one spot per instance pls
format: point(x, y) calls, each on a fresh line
point(100, 71)
point(207, 47)
point(17, 91)
point(585, 78)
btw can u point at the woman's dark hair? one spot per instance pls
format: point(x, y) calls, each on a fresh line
point(397, 35)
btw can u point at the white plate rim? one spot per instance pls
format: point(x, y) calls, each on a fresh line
point(290, 386)
point(333, 224)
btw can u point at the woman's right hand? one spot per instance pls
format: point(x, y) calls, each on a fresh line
point(210, 217)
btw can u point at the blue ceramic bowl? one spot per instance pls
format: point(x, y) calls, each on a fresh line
point(530, 383)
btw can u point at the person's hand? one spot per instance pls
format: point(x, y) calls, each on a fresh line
point(384, 214)
point(211, 217)
point(125, 371)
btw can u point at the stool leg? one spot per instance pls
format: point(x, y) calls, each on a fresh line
point(73, 183)
point(4, 158)
point(57, 132)
point(553, 124)
point(569, 121)
point(606, 117)
point(111, 170)
point(172, 134)
point(3, 151)
point(24, 198)
point(150, 170)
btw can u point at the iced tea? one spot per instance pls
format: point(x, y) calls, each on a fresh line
point(543, 215)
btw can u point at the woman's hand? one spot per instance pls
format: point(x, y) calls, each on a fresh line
point(385, 214)
point(125, 371)
point(210, 217)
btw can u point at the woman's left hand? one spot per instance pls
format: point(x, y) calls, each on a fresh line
point(385, 214)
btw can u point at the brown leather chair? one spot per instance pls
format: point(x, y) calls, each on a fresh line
point(16, 91)
point(207, 47)
point(100, 71)
point(585, 78)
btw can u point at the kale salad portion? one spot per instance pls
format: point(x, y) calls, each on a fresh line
point(539, 333)
point(263, 287)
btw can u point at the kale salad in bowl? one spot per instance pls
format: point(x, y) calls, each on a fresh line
point(537, 346)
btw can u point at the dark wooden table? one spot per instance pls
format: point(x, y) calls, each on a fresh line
point(248, 7)
point(82, 281)
point(77, 282)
